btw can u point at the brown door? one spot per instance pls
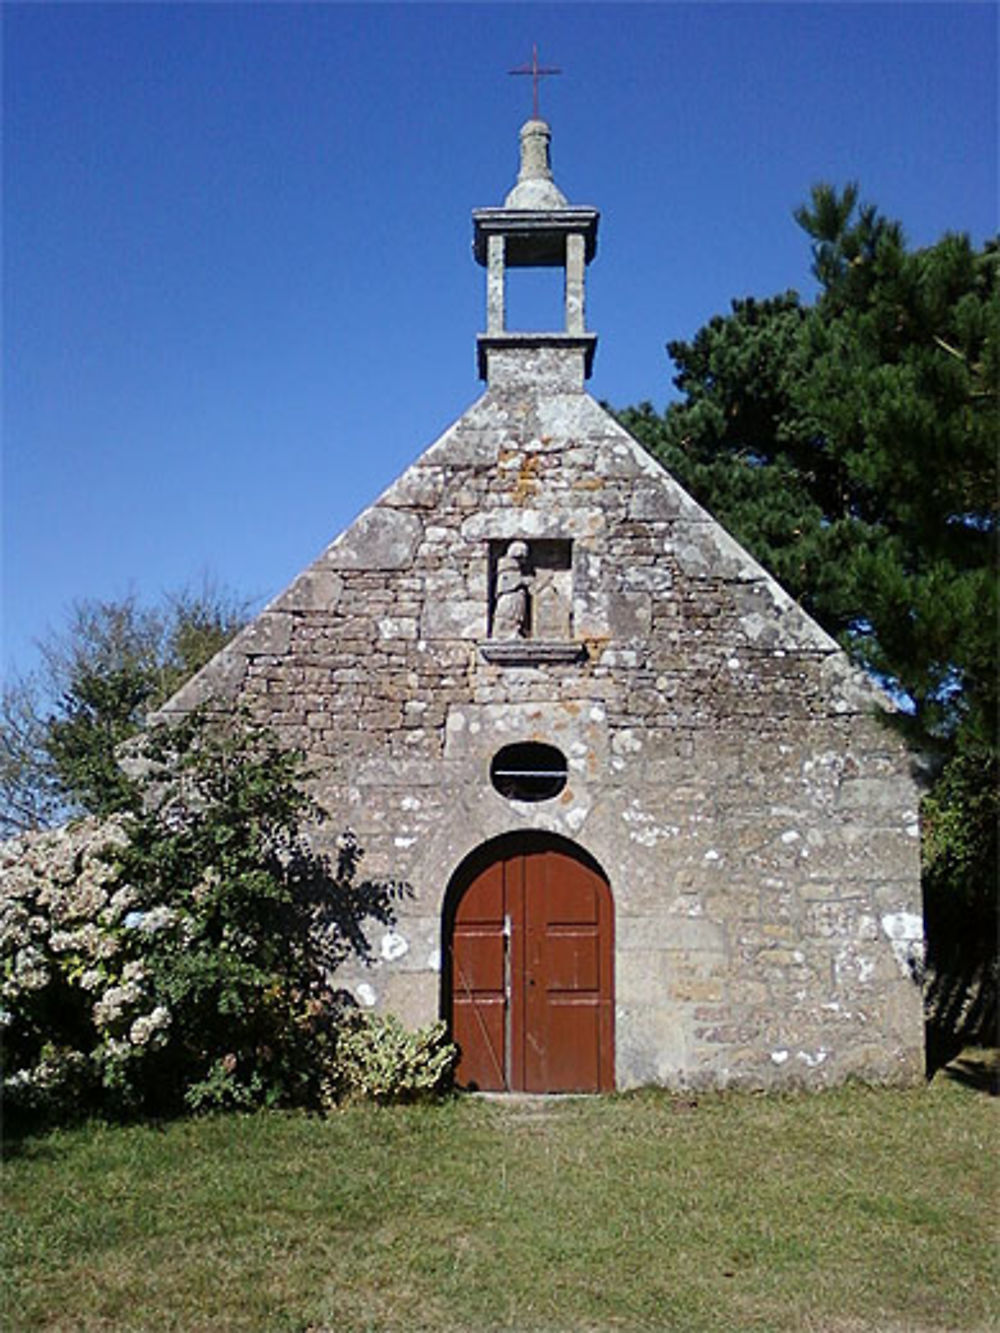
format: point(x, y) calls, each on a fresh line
point(531, 975)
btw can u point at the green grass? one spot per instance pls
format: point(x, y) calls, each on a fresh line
point(834, 1213)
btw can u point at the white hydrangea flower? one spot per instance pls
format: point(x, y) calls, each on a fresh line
point(121, 900)
point(86, 898)
point(19, 1080)
point(140, 1031)
point(157, 918)
point(148, 1026)
point(113, 1003)
point(116, 1049)
point(30, 970)
point(86, 939)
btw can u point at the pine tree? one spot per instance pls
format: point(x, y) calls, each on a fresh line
point(850, 444)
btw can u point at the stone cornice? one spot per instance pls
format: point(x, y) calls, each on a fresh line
point(534, 236)
point(531, 652)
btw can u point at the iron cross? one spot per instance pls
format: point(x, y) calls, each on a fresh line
point(537, 72)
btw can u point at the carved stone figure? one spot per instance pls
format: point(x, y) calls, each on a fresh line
point(512, 606)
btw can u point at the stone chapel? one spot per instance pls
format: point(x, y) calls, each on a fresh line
point(654, 828)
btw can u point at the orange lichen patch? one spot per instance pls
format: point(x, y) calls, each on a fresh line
point(589, 484)
point(596, 645)
point(527, 479)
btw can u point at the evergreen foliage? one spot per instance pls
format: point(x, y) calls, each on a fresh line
point(851, 445)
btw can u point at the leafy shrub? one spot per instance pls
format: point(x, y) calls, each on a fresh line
point(377, 1058)
point(181, 956)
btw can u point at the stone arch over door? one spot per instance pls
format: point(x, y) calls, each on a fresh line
point(528, 967)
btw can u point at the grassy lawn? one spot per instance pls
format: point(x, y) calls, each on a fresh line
point(839, 1212)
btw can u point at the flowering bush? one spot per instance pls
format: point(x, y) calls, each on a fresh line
point(76, 1003)
point(181, 956)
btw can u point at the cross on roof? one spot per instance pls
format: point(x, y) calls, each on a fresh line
point(537, 72)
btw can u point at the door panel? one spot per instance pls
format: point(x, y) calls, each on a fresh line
point(565, 933)
point(478, 1028)
point(532, 975)
point(479, 981)
point(571, 961)
point(483, 959)
point(568, 894)
point(572, 1047)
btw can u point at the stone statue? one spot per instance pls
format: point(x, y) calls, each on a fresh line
point(511, 609)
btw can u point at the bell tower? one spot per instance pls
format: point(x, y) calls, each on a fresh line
point(535, 228)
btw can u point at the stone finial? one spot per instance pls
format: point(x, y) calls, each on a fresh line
point(535, 188)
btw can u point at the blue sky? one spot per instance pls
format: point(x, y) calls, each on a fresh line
point(238, 290)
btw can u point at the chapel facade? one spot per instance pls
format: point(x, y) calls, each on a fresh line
point(653, 826)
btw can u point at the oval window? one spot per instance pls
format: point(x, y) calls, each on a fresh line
point(528, 771)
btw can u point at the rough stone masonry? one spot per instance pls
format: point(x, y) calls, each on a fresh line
point(536, 577)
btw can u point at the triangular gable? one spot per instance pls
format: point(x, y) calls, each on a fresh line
point(387, 535)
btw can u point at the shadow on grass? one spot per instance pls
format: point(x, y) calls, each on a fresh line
point(33, 1136)
point(977, 1069)
point(24, 1139)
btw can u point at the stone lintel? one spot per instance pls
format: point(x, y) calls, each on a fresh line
point(534, 237)
point(570, 363)
point(531, 652)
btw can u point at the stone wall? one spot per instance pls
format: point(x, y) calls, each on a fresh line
point(757, 823)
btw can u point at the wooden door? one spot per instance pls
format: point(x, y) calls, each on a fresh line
point(531, 975)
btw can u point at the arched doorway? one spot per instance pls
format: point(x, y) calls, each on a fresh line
point(529, 967)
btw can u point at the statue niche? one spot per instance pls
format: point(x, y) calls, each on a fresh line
point(532, 591)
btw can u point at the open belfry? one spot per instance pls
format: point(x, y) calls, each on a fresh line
point(654, 828)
